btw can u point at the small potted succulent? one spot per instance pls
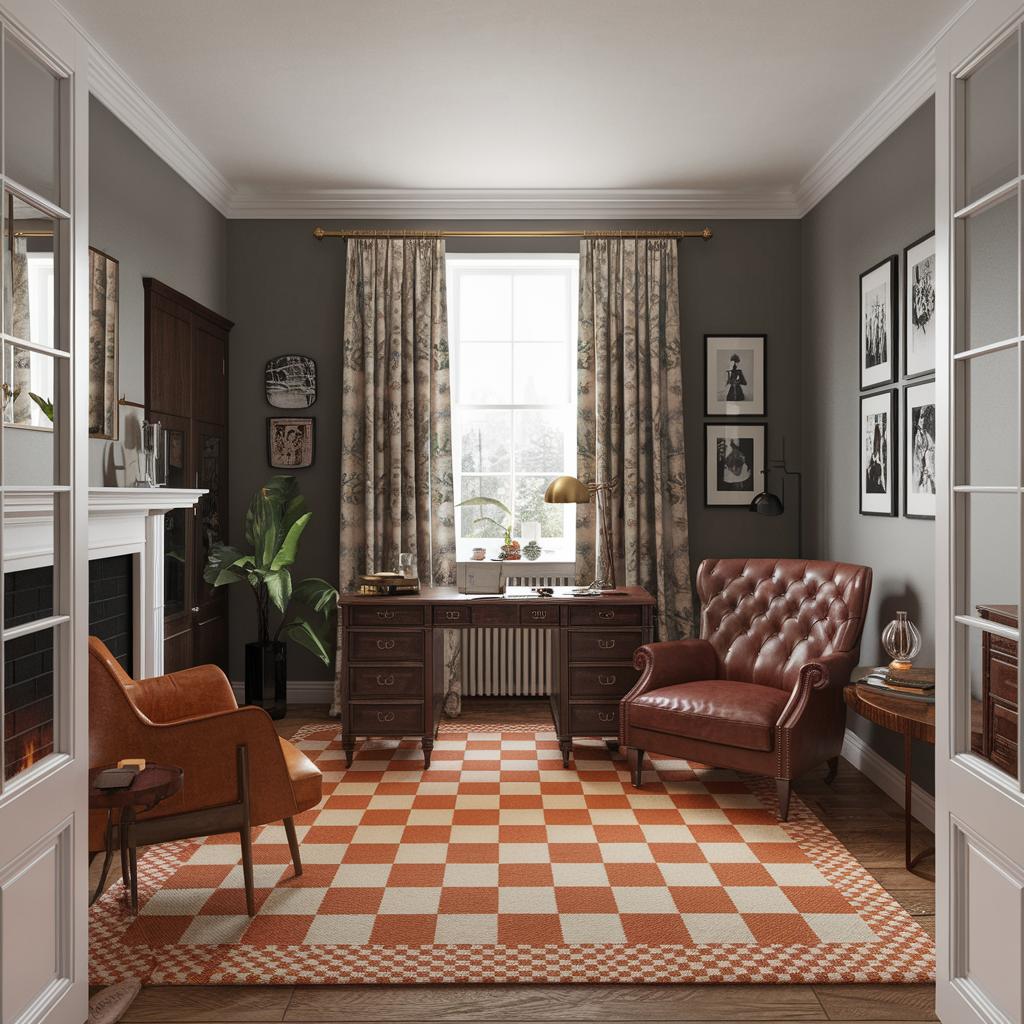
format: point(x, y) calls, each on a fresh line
point(510, 548)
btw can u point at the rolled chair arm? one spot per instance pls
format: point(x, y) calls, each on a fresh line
point(671, 662)
point(191, 693)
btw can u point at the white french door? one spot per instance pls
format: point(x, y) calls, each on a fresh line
point(980, 805)
point(44, 691)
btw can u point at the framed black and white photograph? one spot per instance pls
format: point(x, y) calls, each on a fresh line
point(734, 375)
point(878, 322)
point(878, 454)
point(919, 307)
point(919, 451)
point(734, 458)
point(291, 382)
point(291, 441)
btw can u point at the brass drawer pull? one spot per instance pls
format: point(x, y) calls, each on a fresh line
point(385, 615)
point(603, 680)
point(540, 615)
point(606, 718)
point(382, 717)
point(390, 680)
point(606, 615)
point(605, 645)
point(454, 616)
point(385, 645)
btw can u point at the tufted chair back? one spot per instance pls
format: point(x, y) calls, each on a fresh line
point(766, 617)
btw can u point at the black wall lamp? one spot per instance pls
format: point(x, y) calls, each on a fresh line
point(768, 504)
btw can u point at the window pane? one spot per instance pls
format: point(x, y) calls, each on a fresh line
point(30, 115)
point(484, 487)
point(992, 274)
point(540, 373)
point(993, 555)
point(539, 312)
point(28, 456)
point(991, 420)
point(485, 373)
point(28, 701)
point(531, 507)
point(540, 441)
point(485, 435)
point(991, 124)
point(485, 307)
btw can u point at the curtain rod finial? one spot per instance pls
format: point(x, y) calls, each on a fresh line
point(318, 233)
point(706, 234)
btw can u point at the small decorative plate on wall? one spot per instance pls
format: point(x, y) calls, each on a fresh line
point(291, 382)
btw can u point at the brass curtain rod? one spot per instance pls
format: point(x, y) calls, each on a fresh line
point(320, 233)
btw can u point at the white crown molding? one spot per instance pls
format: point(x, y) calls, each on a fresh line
point(510, 204)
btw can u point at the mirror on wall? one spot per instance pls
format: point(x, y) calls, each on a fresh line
point(29, 314)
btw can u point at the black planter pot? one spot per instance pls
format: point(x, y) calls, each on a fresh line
point(266, 676)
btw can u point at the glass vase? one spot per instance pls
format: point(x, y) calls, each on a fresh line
point(902, 641)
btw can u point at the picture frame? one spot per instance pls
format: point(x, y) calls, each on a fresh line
point(104, 273)
point(290, 381)
point(734, 462)
point(291, 441)
point(734, 375)
point(877, 438)
point(919, 491)
point(878, 324)
point(919, 307)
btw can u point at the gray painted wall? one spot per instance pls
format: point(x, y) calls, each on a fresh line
point(885, 204)
point(286, 292)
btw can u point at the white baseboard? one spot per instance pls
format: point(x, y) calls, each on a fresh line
point(314, 691)
point(889, 779)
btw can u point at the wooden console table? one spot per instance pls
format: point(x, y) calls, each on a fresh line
point(392, 677)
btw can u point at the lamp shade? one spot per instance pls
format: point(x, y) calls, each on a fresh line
point(566, 489)
point(767, 504)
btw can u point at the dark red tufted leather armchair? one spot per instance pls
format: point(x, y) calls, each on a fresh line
point(762, 690)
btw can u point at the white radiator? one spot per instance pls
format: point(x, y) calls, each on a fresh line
point(513, 662)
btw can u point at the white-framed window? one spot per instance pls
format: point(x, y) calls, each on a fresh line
point(512, 328)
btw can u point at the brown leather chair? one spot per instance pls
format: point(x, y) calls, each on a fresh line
point(762, 690)
point(237, 771)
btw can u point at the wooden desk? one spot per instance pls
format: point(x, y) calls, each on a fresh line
point(392, 663)
point(915, 719)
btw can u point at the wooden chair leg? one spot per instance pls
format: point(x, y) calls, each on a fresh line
point(833, 768)
point(783, 788)
point(293, 844)
point(245, 832)
point(636, 766)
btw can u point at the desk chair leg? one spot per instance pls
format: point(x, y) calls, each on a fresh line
point(245, 832)
point(126, 874)
point(783, 788)
point(293, 844)
point(636, 765)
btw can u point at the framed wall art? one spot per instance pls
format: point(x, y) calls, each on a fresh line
point(103, 303)
point(878, 289)
point(734, 458)
point(734, 375)
point(877, 438)
point(919, 451)
point(291, 382)
point(919, 307)
point(291, 441)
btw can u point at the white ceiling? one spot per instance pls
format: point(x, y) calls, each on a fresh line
point(306, 101)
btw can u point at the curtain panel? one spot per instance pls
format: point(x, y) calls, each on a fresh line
point(630, 429)
point(396, 449)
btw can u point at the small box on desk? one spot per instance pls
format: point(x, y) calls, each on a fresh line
point(479, 577)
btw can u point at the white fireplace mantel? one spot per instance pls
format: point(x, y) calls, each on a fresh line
point(122, 521)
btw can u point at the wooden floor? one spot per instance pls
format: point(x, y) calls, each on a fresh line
point(863, 818)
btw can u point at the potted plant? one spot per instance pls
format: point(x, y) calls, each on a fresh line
point(273, 525)
point(510, 549)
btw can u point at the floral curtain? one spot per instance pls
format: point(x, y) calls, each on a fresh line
point(396, 451)
point(20, 327)
point(630, 430)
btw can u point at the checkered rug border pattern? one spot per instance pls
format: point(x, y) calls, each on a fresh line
point(815, 915)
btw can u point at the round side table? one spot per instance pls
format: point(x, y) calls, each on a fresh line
point(154, 783)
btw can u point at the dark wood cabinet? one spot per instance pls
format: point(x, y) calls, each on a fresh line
point(187, 391)
point(999, 689)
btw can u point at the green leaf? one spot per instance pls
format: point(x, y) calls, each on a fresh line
point(317, 594)
point(290, 545)
point(302, 633)
point(484, 501)
point(45, 404)
point(224, 559)
point(279, 587)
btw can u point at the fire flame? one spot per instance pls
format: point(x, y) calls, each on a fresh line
point(28, 758)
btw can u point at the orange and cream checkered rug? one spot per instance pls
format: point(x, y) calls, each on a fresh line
point(498, 865)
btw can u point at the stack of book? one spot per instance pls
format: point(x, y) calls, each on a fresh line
point(384, 584)
point(915, 684)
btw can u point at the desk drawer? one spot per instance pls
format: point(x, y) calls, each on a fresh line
point(590, 615)
point(1004, 739)
point(1002, 681)
point(385, 645)
point(594, 719)
point(595, 645)
point(385, 615)
point(383, 719)
point(595, 681)
point(385, 682)
point(545, 615)
point(453, 615)
point(495, 615)
point(1003, 644)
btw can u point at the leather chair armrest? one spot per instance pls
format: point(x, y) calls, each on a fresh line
point(670, 662)
point(179, 696)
